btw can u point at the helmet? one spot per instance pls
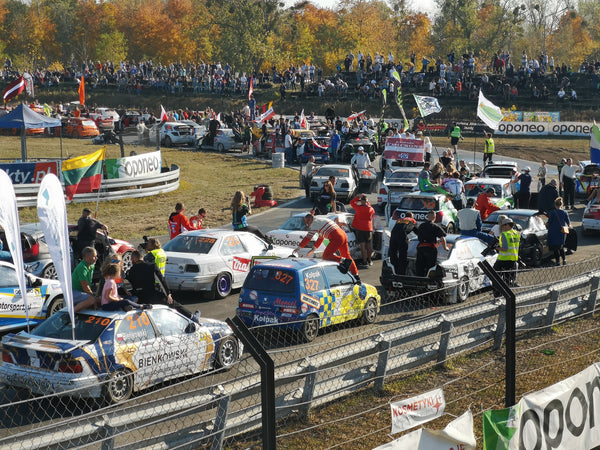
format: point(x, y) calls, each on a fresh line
point(527, 169)
point(361, 148)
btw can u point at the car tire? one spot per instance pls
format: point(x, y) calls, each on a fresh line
point(127, 262)
point(222, 285)
point(450, 229)
point(168, 142)
point(462, 290)
point(56, 305)
point(118, 387)
point(369, 314)
point(220, 148)
point(227, 353)
point(310, 328)
point(49, 272)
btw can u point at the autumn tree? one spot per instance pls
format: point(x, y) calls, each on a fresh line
point(571, 42)
point(455, 25)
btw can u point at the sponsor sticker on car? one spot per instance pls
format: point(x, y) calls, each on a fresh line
point(310, 301)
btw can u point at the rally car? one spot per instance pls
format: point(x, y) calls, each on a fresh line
point(453, 278)
point(346, 181)
point(587, 180)
point(403, 179)
point(214, 261)
point(114, 353)
point(503, 198)
point(44, 298)
point(305, 295)
point(419, 204)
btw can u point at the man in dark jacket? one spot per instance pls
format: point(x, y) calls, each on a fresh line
point(398, 250)
point(548, 193)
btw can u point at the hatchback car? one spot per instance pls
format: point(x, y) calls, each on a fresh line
point(305, 295)
point(44, 298)
point(455, 275)
point(79, 127)
point(500, 169)
point(114, 353)
point(588, 179)
point(214, 261)
point(404, 179)
point(176, 133)
point(36, 255)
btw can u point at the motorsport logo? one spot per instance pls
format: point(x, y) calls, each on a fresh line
point(240, 264)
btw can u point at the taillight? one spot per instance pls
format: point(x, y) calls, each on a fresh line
point(70, 366)
point(32, 252)
point(592, 213)
point(383, 191)
point(6, 356)
point(439, 216)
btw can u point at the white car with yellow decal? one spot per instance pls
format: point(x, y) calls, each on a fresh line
point(214, 261)
point(44, 298)
point(114, 353)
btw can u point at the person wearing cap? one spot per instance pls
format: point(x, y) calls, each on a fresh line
point(559, 167)
point(484, 205)
point(87, 227)
point(469, 223)
point(548, 193)
point(489, 149)
point(361, 159)
point(524, 193)
point(508, 251)
point(398, 249)
point(429, 234)
point(178, 222)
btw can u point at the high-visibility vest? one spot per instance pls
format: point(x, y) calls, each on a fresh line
point(489, 148)
point(455, 132)
point(160, 259)
point(512, 253)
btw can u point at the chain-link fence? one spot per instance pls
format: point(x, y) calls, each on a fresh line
point(181, 399)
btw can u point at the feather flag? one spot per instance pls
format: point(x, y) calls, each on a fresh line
point(303, 121)
point(163, 114)
point(595, 144)
point(81, 91)
point(398, 86)
point(489, 113)
point(14, 89)
point(83, 174)
point(427, 105)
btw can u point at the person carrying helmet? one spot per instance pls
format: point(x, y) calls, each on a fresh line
point(484, 205)
point(524, 193)
point(361, 159)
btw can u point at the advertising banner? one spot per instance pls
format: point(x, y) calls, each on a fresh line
point(136, 166)
point(30, 172)
point(582, 129)
point(417, 410)
point(404, 149)
point(541, 116)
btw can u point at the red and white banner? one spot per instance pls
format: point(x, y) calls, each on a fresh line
point(14, 89)
point(351, 117)
point(316, 144)
point(268, 114)
point(303, 121)
point(417, 410)
point(404, 149)
point(163, 114)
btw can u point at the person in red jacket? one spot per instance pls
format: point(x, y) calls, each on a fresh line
point(178, 223)
point(363, 226)
point(338, 242)
point(484, 205)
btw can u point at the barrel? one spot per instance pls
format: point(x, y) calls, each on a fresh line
point(278, 160)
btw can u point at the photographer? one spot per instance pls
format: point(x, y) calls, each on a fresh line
point(239, 211)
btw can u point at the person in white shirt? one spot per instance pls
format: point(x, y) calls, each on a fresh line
point(361, 159)
point(567, 182)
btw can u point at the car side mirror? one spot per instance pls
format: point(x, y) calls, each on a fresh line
point(191, 328)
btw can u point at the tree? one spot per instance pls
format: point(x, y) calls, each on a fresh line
point(571, 42)
point(455, 25)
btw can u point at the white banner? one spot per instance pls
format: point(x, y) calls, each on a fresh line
point(9, 221)
point(458, 434)
point(417, 410)
point(52, 213)
point(137, 166)
point(582, 129)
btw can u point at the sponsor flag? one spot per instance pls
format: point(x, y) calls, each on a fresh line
point(427, 105)
point(397, 80)
point(47, 109)
point(351, 117)
point(595, 144)
point(267, 115)
point(163, 114)
point(14, 89)
point(83, 174)
point(81, 91)
point(489, 113)
point(417, 410)
point(384, 92)
point(9, 221)
point(303, 121)
point(251, 88)
point(498, 428)
point(52, 213)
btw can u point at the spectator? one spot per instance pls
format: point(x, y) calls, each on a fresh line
point(398, 248)
point(87, 228)
point(363, 225)
point(178, 222)
point(567, 181)
point(524, 193)
point(546, 196)
point(558, 229)
point(429, 233)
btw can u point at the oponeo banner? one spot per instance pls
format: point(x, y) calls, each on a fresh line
point(29, 173)
point(582, 129)
point(134, 166)
point(564, 415)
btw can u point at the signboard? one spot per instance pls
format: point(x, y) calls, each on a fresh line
point(404, 149)
point(582, 129)
point(539, 116)
point(30, 172)
point(136, 166)
point(417, 410)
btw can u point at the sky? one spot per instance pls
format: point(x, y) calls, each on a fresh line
point(426, 6)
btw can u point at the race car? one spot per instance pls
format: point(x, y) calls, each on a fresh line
point(214, 261)
point(419, 204)
point(503, 198)
point(403, 179)
point(44, 298)
point(346, 181)
point(114, 353)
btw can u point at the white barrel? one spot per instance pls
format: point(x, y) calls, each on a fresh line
point(278, 160)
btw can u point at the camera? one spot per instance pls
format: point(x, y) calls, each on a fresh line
point(145, 243)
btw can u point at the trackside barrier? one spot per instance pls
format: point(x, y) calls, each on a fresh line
point(231, 407)
point(112, 189)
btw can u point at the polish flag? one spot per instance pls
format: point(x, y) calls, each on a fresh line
point(251, 88)
point(356, 115)
point(303, 121)
point(268, 114)
point(14, 89)
point(316, 144)
point(163, 114)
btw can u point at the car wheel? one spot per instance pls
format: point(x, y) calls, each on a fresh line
point(127, 263)
point(310, 328)
point(118, 387)
point(57, 304)
point(220, 148)
point(450, 229)
point(462, 290)
point(222, 286)
point(369, 312)
point(168, 142)
point(536, 256)
point(227, 352)
point(49, 272)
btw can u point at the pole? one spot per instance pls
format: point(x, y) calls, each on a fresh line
point(474, 148)
point(98, 196)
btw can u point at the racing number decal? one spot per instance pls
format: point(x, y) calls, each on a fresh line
point(283, 278)
point(138, 321)
point(232, 241)
point(98, 320)
point(311, 285)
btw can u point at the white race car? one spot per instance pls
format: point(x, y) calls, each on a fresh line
point(214, 261)
point(404, 179)
point(346, 181)
point(44, 298)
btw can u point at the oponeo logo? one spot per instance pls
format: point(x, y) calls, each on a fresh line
point(141, 166)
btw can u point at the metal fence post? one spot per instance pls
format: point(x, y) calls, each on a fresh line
point(309, 390)
point(551, 312)
point(384, 354)
point(511, 330)
point(593, 298)
point(446, 329)
point(220, 422)
point(267, 380)
point(500, 327)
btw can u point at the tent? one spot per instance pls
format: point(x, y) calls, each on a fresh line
point(23, 117)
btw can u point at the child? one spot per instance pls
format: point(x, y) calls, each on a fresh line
point(110, 297)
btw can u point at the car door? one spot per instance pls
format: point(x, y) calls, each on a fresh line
point(235, 257)
point(12, 307)
point(341, 303)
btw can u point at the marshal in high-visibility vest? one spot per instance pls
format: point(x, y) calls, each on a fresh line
point(155, 254)
point(489, 149)
point(508, 252)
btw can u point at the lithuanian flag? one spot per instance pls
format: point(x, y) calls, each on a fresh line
point(83, 174)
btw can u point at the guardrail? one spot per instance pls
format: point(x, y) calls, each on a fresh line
point(233, 407)
point(112, 189)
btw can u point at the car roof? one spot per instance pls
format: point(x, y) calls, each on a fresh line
point(502, 163)
point(296, 263)
point(487, 181)
point(517, 212)
point(337, 166)
point(212, 232)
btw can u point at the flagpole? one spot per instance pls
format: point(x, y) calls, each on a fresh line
point(98, 196)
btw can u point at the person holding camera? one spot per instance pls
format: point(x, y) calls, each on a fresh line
point(240, 208)
point(363, 227)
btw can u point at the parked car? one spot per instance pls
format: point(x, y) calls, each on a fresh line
point(305, 295)
point(503, 198)
point(225, 140)
point(199, 130)
point(109, 113)
point(114, 353)
point(401, 180)
point(80, 127)
point(214, 261)
point(346, 181)
point(44, 298)
point(587, 180)
point(103, 123)
point(35, 251)
point(349, 147)
point(533, 248)
point(176, 133)
point(419, 204)
point(317, 147)
point(274, 143)
point(500, 169)
point(591, 217)
point(453, 278)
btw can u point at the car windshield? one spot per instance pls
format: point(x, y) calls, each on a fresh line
point(190, 244)
point(403, 176)
point(269, 279)
point(294, 224)
point(474, 189)
point(329, 171)
point(519, 219)
point(87, 123)
point(418, 204)
point(58, 326)
point(498, 172)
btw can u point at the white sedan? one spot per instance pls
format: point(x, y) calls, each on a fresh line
point(404, 179)
point(215, 261)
